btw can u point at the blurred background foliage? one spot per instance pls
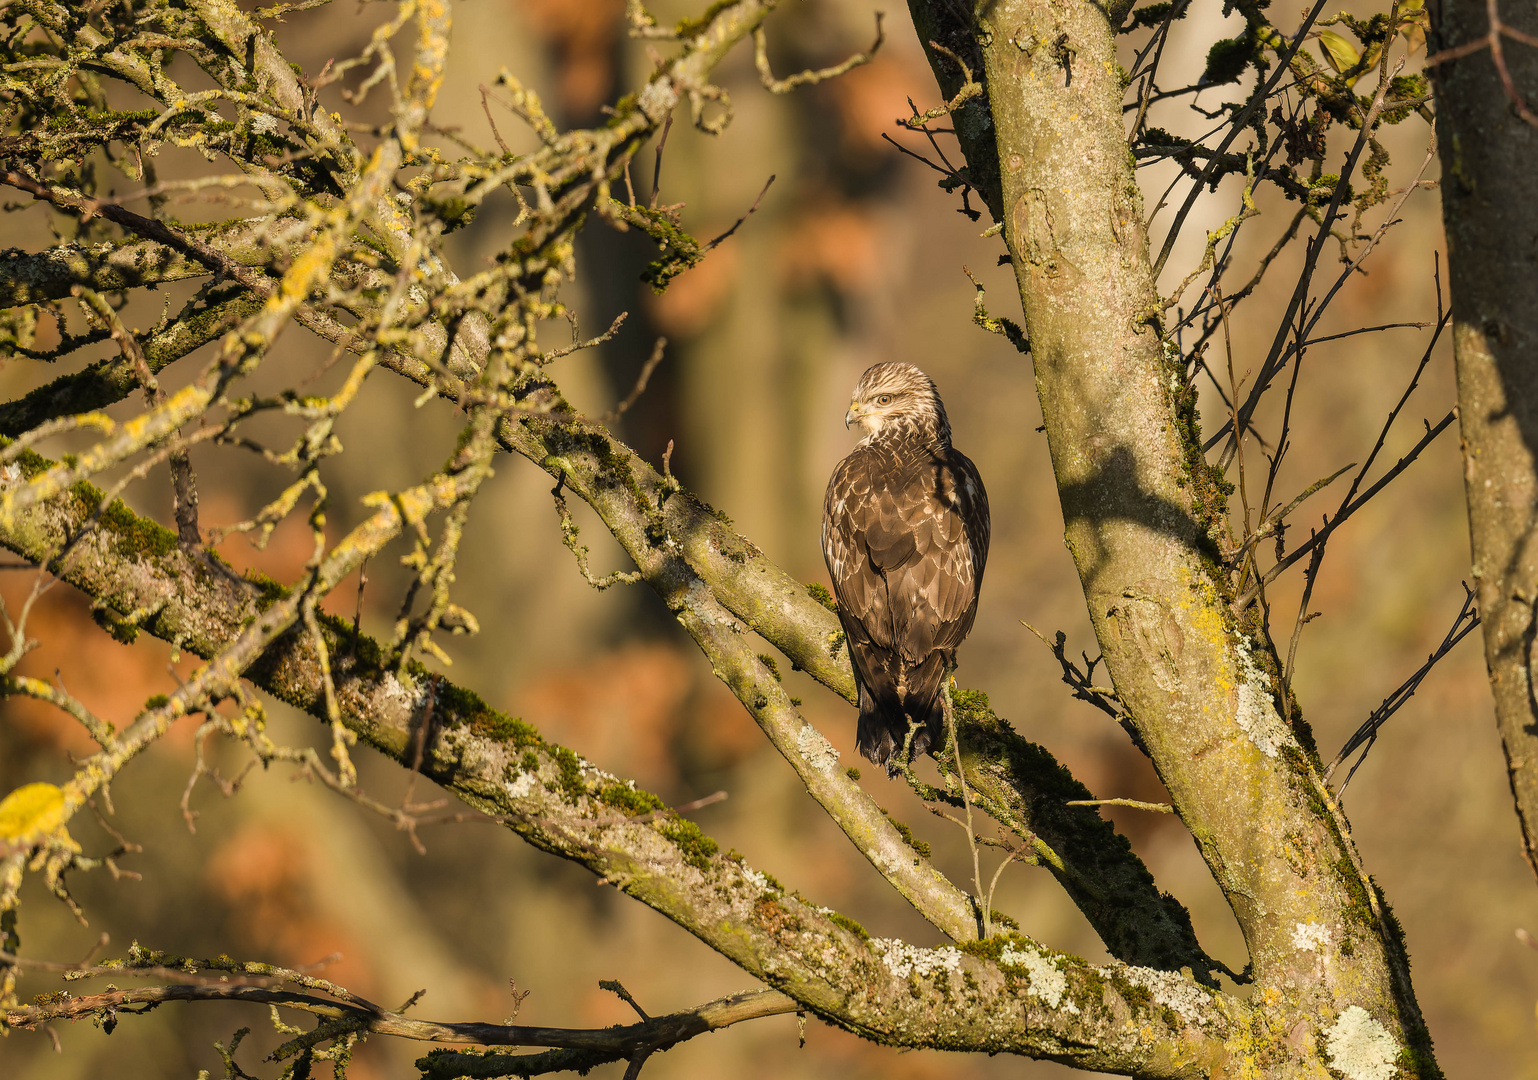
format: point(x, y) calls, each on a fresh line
point(854, 257)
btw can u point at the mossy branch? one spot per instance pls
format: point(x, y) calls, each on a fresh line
point(885, 990)
point(686, 551)
point(1023, 787)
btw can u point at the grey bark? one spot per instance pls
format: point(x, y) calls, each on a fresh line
point(1142, 515)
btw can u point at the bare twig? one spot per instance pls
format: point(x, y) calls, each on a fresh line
point(578, 345)
point(183, 482)
point(661, 1032)
point(809, 77)
point(1432, 431)
point(486, 106)
point(712, 245)
point(1463, 625)
point(1102, 697)
point(639, 388)
point(615, 987)
point(970, 88)
point(657, 166)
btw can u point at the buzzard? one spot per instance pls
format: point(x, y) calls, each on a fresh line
point(905, 536)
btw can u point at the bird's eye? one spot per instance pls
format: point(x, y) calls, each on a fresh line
point(884, 399)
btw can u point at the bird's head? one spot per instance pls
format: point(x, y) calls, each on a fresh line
point(897, 400)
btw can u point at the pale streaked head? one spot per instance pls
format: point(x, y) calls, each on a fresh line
point(896, 399)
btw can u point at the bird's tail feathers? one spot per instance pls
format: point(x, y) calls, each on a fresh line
point(885, 720)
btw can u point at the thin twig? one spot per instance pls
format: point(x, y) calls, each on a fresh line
point(984, 917)
point(657, 168)
point(809, 77)
point(1136, 804)
point(184, 484)
point(738, 223)
point(577, 345)
point(1463, 625)
point(970, 88)
point(615, 987)
point(1351, 502)
point(486, 105)
point(639, 388)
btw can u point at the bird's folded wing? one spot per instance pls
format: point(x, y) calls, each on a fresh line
point(902, 560)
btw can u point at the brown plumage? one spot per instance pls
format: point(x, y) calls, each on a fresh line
point(905, 536)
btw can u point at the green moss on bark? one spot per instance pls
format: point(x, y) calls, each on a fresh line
point(697, 848)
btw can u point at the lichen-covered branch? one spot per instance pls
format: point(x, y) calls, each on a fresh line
point(264, 620)
point(32, 277)
point(1004, 995)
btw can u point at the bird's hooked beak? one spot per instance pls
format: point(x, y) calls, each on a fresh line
point(853, 413)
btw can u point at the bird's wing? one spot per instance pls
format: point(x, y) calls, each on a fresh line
point(970, 499)
point(906, 548)
point(849, 508)
point(936, 591)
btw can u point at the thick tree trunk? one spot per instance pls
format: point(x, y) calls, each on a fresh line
point(1489, 181)
point(1142, 511)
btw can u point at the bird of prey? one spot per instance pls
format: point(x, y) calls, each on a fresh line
point(905, 536)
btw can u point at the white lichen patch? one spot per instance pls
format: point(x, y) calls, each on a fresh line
point(597, 777)
point(10, 474)
point(658, 98)
point(1311, 937)
point(754, 878)
point(523, 787)
point(1187, 1000)
point(1360, 1047)
point(815, 747)
point(1256, 712)
point(1046, 981)
point(903, 959)
point(401, 695)
point(262, 123)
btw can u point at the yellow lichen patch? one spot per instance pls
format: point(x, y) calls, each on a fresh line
point(32, 814)
point(308, 268)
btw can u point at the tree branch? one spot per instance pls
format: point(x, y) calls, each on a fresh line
point(1006, 995)
point(688, 554)
point(601, 1044)
point(28, 278)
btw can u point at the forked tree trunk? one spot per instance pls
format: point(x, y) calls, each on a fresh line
point(1142, 513)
